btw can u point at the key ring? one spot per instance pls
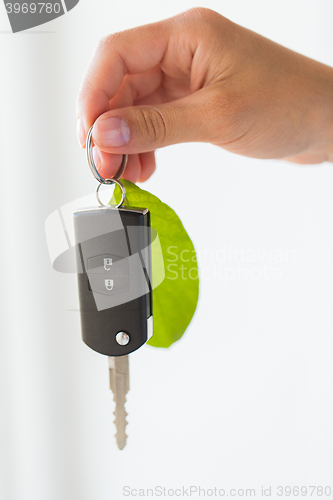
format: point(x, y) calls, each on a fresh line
point(111, 181)
point(99, 178)
point(92, 165)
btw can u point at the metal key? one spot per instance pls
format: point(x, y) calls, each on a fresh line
point(114, 270)
point(119, 385)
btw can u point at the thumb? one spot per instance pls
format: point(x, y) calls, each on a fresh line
point(138, 129)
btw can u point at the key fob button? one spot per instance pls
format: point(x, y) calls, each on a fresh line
point(109, 286)
point(104, 264)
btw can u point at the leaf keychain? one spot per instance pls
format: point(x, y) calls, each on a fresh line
point(175, 299)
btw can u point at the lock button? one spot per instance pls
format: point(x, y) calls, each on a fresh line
point(109, 286)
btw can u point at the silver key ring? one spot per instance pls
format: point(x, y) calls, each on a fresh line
point(99, 178)
point(92, 165)
point(111, 181)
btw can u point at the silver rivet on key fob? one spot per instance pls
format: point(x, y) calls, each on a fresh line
point(122, 338)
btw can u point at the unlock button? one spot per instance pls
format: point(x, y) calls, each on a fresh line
point(109, 286)
point(108, 265)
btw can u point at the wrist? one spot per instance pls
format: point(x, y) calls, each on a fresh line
point(323, 120)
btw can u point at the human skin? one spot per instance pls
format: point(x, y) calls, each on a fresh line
point(198, 77)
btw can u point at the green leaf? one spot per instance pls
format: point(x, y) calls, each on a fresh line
point(175, 299)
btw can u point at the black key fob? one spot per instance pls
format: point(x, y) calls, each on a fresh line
point(113, 257)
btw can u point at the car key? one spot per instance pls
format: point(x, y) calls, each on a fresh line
point(113, 259)
point(113, 262)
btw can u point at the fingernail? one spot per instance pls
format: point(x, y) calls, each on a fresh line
point(111, 132)
point(80, 133)
point(97, 158)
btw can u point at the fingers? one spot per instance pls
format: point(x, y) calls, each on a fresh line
point(135, 76)
point(148, 165)
point(139, 167)
point(149, 66)
point(169, 45)
point(138, 129)
point(310, 158)
point(129, 52)
point(106, 164)
point(134, 88)
point(133, 169)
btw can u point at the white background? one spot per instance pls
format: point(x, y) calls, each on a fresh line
point(245, 399)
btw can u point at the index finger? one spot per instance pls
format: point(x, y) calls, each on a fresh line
point(132, 51)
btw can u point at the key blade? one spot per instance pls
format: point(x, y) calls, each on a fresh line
point(119, 384)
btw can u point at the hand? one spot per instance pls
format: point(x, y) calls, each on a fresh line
point(200, 77)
